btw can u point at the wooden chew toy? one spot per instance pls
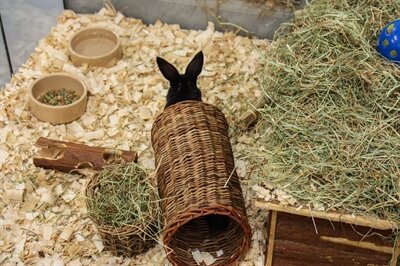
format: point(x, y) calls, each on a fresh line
point(67, 156)
point(251, 116)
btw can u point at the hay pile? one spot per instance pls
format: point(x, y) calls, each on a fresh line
point(124, 205)
point(123, 195)
point(331, 127)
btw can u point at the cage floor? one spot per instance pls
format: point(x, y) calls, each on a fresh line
point(42, 213)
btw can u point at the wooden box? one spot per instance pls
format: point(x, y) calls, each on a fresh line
point(304, 237)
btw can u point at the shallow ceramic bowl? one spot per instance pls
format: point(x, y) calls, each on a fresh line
point(57, 114)
point(96, 46)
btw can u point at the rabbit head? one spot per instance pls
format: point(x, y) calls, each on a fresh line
point(182, 87)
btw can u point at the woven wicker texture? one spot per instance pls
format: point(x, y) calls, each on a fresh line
point(196, 178)
point(126, 241)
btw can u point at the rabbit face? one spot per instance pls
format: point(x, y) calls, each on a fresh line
point(182, 87)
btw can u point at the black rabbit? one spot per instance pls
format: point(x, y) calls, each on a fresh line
point(182, 87)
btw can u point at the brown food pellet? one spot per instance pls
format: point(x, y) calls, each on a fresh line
point(59, 97)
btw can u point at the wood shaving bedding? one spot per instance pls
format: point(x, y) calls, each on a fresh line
point(42, 213)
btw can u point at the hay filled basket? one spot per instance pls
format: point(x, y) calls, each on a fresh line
point(196, 180)
point(123, 205)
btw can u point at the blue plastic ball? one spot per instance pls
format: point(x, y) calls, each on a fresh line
point(389, 41)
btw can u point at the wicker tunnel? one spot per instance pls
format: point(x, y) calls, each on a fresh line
point(202, 201)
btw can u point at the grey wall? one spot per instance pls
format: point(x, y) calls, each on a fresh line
point(259, 19)
point(25, 22)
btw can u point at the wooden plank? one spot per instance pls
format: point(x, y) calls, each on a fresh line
point(313, 254)
point(296, 243)
point(302, 229)
point(396, 256)
point(284, 261)
point(332, 216)
point(271, 238)
point(359, 244)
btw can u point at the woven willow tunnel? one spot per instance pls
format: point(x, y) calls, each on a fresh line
point(198, 185)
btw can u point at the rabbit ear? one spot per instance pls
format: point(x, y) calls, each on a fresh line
point(193, 70)
point(169, 71)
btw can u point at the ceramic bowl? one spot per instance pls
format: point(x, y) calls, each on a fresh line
point(62, 113)
point(95, 46)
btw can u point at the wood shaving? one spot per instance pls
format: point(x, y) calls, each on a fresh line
point(197, 256)
point(203, 257)
point(220, 253)
point(14, 194)
point(43, 221)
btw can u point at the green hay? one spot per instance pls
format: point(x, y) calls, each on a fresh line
point(124, 196)
point(331, 128)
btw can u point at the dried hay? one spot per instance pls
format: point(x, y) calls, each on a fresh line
point(124, 205)
point(123, 195)
point(331, 127)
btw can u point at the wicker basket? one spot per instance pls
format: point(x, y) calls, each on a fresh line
point(196, 178)
point(127, 240)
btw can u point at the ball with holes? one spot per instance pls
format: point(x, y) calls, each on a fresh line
point(389, 41)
